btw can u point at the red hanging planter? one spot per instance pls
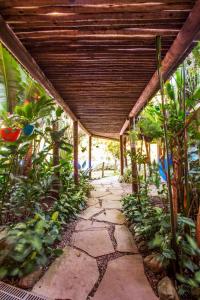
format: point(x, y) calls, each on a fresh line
point(10, 134)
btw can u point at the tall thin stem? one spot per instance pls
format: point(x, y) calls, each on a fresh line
point(169, 184)
point(185, 146)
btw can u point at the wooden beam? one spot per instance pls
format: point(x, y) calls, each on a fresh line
point(183, 41)
point(174, 56)
point(83, 128)
point(99, 24)
point(18, 3)
point(161, 15)
point(121, 156)
point(75, 139)
point(13, 44)
point(56, 10)
point(120, 33)
point(90, 157)
point(125, 126)
point(105, 137)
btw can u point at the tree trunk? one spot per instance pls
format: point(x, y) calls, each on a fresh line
point(102, 170)
point(75, 138)
point(198, 228)
point(133, 163)
point(125, 155)
point(56, 151)
point(28, 160)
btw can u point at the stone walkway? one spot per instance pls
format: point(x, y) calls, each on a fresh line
point(102, 261)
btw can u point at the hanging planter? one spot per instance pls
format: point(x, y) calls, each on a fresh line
point(28, 129)
point(9, 134)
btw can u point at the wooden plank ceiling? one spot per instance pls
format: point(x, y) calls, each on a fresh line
point(98, 54)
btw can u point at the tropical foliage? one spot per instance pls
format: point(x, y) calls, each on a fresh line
point(37, 191)
point(171, 229)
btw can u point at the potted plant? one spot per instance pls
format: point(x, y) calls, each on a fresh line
point(31, 111)
point(10, 130)
point(28, 129)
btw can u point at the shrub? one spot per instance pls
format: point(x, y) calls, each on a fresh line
point(28, 245)
point(153, 224)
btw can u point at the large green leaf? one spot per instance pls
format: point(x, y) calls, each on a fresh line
point(9, 80)
point(28, 86)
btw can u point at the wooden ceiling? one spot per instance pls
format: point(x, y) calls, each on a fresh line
point(98, 54)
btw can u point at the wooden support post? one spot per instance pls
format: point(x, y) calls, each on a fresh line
point(121, 156)
point(125, 155)
point(90, 157)
point(75, 137)
point(103, 167)
point(133, 164)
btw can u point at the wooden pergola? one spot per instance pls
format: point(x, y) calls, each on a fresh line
point(97, 58)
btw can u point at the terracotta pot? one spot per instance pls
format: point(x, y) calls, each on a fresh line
point(9, 134)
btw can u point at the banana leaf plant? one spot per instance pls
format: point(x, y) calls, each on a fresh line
point(9, 80)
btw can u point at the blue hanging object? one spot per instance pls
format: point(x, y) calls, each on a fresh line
point(28, 129)
point(162, 171)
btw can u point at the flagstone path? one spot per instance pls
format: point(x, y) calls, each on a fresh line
point(102, 261)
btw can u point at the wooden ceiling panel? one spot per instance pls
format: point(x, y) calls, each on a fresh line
point(98, 54)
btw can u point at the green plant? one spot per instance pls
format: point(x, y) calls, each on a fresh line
point(153, 225)
point(28, 245)
point(189, 261)
point(146, 217)
point(35, 110)
point(127, 177)
point(150, 125)
point(9, 80)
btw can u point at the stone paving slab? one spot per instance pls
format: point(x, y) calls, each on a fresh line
point(90, 212)
point(125, 280)
point(95, 243)
point(93, 202)
point(117, 193)
point(124, 239)
point(111, 204)
point(111, 197)
point(90, 225)
point(98, 194)
point(74, 274)
point(116, 189)
point(71, 276)
point(112, 216)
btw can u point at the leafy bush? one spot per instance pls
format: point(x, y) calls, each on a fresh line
point(153, 224)
point(127, 177)
point(146, 217)
point(28, 245)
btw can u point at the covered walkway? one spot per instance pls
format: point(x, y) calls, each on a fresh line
point(98, 58)
point(101, 261)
